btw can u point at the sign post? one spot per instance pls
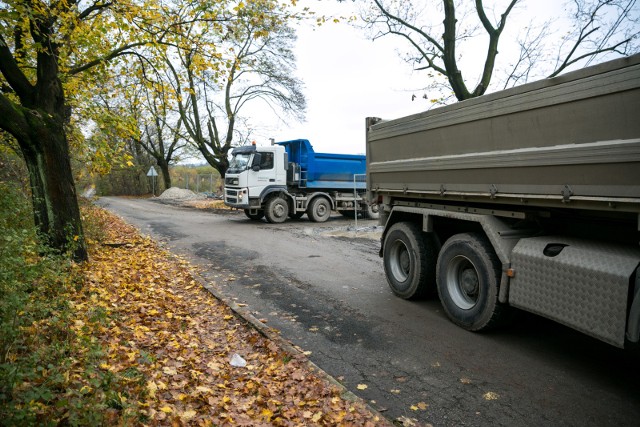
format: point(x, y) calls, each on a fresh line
point(152, 173)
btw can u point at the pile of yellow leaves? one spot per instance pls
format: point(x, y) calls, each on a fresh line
point(207, 204)
point(178, 339)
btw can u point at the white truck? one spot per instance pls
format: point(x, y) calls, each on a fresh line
point(528, 197)
point(289, 179)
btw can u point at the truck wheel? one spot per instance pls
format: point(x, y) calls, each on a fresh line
point(371, 212)
point(276, 210)
point(256, 217)
point(468, 273)
point(319, 210)
point(409, 261)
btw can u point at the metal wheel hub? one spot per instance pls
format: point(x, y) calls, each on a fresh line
point(279, 210)
point(463, 283)
point(469, 281)
point(400, 261)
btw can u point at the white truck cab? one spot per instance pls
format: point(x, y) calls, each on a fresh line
point(289, 179)
point(253, 173)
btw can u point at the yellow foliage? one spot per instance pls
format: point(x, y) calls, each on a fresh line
point(184, 360)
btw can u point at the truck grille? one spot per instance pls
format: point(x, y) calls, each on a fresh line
point(232, 200)
point(232, 193)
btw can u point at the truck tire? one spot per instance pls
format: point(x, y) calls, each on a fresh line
point(276, 210)
point(319, 210)
point(409, 261)
point(255, 217)
point(467, 274)
point(371, 212)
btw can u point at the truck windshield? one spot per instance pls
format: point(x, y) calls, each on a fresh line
point(239, 162)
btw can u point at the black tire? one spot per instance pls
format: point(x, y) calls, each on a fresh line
point(319, 210)
point(468, 276)
point(276, 210)
point(255, 217)
point(410, 261)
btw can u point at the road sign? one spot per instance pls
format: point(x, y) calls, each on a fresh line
point(152, 172)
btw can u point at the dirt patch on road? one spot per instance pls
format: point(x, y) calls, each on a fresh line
point(338, 226)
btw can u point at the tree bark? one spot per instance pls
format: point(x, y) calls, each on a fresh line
point(164, 169)
point(37, 124)
point(45, 150)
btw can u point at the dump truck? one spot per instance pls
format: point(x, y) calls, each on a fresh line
point(289, 179)
point(527, 198)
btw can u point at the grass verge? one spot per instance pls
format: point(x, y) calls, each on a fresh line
point(130, 338)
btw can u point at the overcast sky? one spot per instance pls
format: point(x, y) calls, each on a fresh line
point(347, 78)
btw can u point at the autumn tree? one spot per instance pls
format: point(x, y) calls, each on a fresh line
point(161, 135)
point(42, 45)
point(219, 73)
point(45, 48)
point(436, 33)
point(109, 153)
point(147, 113)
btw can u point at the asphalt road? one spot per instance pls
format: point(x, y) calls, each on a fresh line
point(322, 286)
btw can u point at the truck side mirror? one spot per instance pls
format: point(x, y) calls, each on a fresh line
point(255, 168)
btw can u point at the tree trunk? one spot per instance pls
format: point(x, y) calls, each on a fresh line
point(164, 169)
point(55, 206)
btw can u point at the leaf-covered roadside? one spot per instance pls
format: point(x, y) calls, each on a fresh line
point(152, 347)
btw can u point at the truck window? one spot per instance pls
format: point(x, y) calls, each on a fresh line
point(239, 162)
point(266, 162)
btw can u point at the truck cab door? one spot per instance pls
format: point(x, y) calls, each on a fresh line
point(262, 166)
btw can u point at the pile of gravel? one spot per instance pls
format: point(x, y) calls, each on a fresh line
point(180, 195)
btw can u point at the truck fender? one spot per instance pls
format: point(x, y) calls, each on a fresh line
point(273, 189)
point(312, 196)
point(497, 231)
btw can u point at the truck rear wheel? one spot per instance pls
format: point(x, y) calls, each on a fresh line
point(409, 261)
point(319, 210)
point(468, 273)
point(276, 210)
point(256, 217)
point(371, 212)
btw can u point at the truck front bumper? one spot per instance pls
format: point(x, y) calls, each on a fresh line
point(236, 198)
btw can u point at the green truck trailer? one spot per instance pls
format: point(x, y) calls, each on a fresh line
point(527, 197)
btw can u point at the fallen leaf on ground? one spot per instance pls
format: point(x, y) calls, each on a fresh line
point(491, 396)
point(172, 338)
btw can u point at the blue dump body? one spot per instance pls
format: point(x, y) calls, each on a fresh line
point(324, 170)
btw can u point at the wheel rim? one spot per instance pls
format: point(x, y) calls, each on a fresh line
point(463, 283)
point(279, 210)
point(321, 210)
point(400, 261)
